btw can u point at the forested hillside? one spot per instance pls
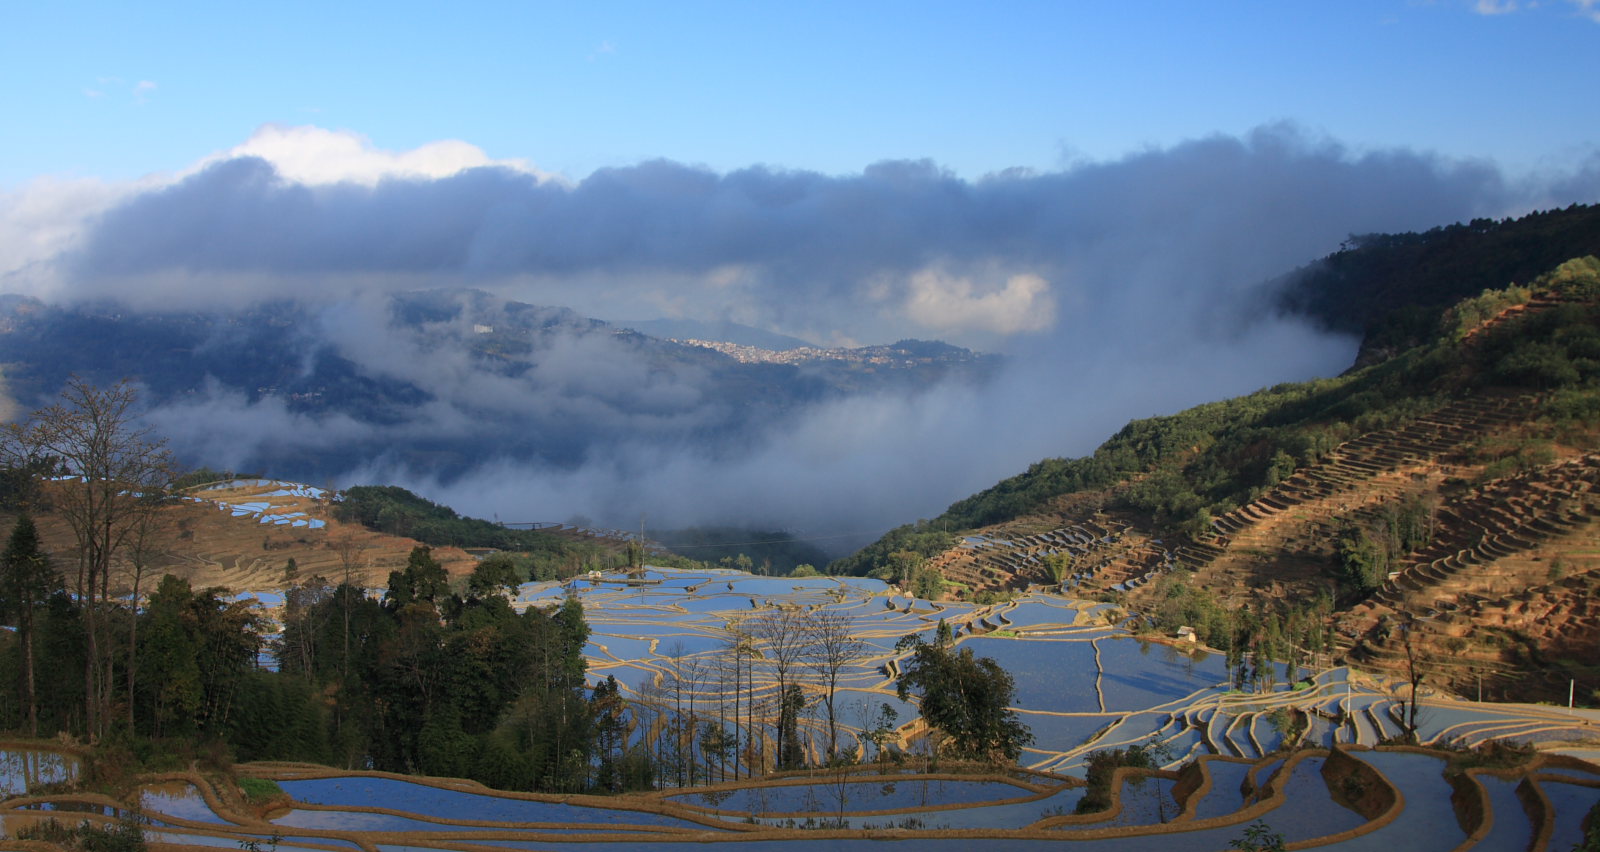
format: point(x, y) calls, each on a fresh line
point(1454, 482)
point(1392, 287)
point(1232, 447)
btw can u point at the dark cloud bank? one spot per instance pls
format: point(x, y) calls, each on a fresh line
point(1118, 290)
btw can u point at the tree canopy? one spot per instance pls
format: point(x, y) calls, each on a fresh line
point(966, 697)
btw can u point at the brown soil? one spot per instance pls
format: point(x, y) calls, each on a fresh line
point(208, 546)
point(1505, 588)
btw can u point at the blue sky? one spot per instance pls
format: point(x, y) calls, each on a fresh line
point(115, 90)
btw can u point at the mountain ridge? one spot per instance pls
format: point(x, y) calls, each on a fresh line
point(433, 382)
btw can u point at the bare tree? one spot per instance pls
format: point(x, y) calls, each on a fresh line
point(736, 655)
point(351, 550)
point(832, 649)
point(1414, 672)
point(148, 531)
point(782, 637)
point(108, 468)
point(686, 678)
point(650, 710)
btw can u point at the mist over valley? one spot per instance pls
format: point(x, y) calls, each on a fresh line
point(439, 331)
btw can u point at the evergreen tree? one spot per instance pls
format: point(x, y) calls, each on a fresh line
point(790, 754)
point(26, 583)
point(423, 579)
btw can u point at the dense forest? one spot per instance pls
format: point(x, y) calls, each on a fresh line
point(423, 680)
point(1391, 288)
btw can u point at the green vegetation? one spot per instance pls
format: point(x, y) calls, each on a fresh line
point(1259, 837)
point(1392, 287)
point(1591, 831)
point(1255, 639)
point(1100, 770)
point(1368, 550)
point(771, 552)
point(1181, 470)
point(424, 681)
point(124, 835)
point(966, 698)
point(539, 555)
point(259, 789)
point(205, 476)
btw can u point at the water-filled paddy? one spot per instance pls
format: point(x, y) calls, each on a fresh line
point(1316, 814)
point(22, 770)
point(177, 799)
point(340, 820)
point(855, 795)
point(1144, 674)
point(1150, 692)
point(1146, 801)
point(1511, 828)
point(1038, 667)
point(1226, 794)
point(1428, 821)
point(1571, 803)
point(1036, 613)
point(1056, 729)
point(429, 801)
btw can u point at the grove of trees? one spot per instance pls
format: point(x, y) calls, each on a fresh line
point(434, 677)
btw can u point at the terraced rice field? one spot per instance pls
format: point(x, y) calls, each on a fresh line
point(1082, 686)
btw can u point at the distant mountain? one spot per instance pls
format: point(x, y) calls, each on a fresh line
point(718, 332)
point(432, 382)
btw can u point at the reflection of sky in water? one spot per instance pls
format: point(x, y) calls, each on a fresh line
point(1315, 812)
point(1143, 674)
point(856, 795)
point(1571, 803)
point(1053, 667)
point(427, 801)
point(22, 769)
point(1226, 794)
point(1057, 729)
point(1049, 675)
point(1511, 829)
point(1029, 613)
point(1010, 815)
point(1428, 821)
point(178, 799)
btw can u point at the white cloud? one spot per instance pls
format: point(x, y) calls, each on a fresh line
point(44, 218)
point(313, 155)
point(949, 302)
point(1587, 8)
point(1495, 7)
point(1583, 8)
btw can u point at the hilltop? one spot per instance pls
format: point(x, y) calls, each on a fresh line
point(1447, 494)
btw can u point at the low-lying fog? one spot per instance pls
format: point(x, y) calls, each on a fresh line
point(1116, 289)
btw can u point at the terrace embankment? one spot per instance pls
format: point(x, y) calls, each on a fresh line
point(1502, 583)
point(242, 535)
